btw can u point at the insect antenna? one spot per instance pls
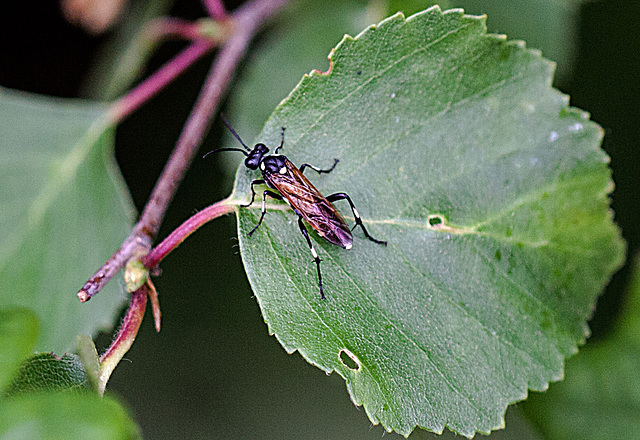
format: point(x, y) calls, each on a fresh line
point(233, 132)
point(225, 149)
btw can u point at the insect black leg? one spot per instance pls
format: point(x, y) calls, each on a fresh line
point(343, 196)
point(281, 141)
point(318, 170)
point(253, 192)
point(313, 252)
point(264, 206)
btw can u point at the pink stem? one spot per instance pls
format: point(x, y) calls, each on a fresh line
point(126, 335)
point(156, 82)
point(216, 9)
point(248, 20)
point(184, 230)
point(165, 27)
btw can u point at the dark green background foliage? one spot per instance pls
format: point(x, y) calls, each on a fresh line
point(228, 378)
point(47, 372)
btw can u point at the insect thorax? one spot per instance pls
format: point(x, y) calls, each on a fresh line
point(273, 164)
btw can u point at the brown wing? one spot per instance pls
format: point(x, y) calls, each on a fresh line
point(312, 206)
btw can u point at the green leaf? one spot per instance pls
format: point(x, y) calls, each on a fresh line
point(492, 194)
point(600, 396)
point(65, 209)
point(88, 355)
point(47, 372)
point(18, 335)
point(62, 416)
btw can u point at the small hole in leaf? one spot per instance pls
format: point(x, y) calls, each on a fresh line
point(435, 221)
point(349, 360)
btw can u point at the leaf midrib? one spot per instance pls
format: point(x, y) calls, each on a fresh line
point(376, 307)
point(48, 193)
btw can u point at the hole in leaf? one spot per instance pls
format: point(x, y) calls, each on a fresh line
point(435, 221)
point(349, 360)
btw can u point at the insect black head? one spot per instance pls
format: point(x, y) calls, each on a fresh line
point(255, 156)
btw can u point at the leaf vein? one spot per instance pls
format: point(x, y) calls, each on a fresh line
point(451, 385)
point(464, 311)
point(380, 73)
point(271, 242)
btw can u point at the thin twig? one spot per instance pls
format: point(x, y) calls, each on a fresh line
point(156, 82)
point(163, 28)
point(184, 230)
point(126, 335)
point(216, 9)
point(248, 19)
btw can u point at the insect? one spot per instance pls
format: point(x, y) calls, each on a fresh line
point(290, 185)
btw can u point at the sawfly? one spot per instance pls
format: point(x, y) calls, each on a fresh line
point(291, 185)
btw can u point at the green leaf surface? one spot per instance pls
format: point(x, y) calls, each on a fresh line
point(492, 194)
point(88, 355)
point(18, 335)
point(47, 372)
point(63, 416)
point(600, 396)
point(64, 210)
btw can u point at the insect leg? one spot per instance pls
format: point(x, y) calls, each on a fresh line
point(264, 206)
point(318, 170)
point(343, 196)
point(253, 191)
point(313, 252)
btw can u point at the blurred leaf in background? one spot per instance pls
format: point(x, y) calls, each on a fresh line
point(18, 335)
point(600, 395)
point(62, 416)
point(65, 209)
point(50, 397)
point(551, 26)
point(47, 372)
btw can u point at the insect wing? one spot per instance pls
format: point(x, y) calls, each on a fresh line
point(312, 205)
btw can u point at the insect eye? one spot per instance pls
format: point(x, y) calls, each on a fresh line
point(252, 162)
point(255, 156)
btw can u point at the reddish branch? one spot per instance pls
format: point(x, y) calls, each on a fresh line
point(216, 9)
point(156, 82)
point(184, 230)
point(126, 335)
point(247, 20)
